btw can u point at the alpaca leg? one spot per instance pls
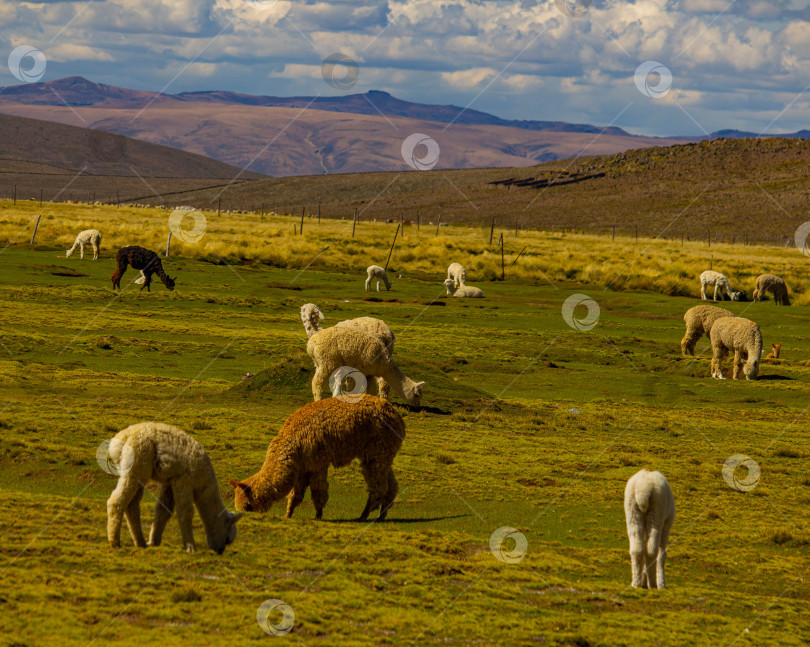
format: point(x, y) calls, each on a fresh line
point(634, 533)
point(368, 284)
point(148, 280)
point(662, 554)
point(319, 490)
point(133, 513)
point(689, 340)
point(651, 558)
point(739, 359)
point(297, 493)
point(164, 508)
point(81, 251)
point(703, 291)
point(717, 285)
point(184, 504)
point(95, 251)
point(117, 504)
point(391, 495)
point(378, 284)
point(376, 476)
point(319, 382)
point(717, 362)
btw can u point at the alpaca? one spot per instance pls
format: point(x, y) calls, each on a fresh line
point(744, 338)
point(458, 274)
point(463, 290)
point(140, 259)
point(774, 354)
point(320, 434)
point(379, 273)
point(774, 284)
point(335, 347)
point(649, 509)
point(699, 321)
point(87, 237)
point(720, 282)
point(311, 316)
point(151, 451)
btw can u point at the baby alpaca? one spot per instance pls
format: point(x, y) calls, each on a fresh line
point(379, 273)
point(699, 321)
point(151, 451)
point(141, 259)
point(775, 353)
point(649, 509)
point(463, 290)
point(333, 348)
point(320, 434)
point(720, 282)
point(741, 336)
point(87, 237)
point(774, 284)
point(457, 274)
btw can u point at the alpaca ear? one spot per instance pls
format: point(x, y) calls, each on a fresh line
point(320, 315)
point(235, 517)
point(233, 482)
point(419, 384)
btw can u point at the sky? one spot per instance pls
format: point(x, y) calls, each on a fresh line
point(657, 67)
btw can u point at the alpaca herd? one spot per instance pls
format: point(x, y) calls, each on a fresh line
point(333, 432)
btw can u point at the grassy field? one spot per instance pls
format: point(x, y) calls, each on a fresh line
point(526, 423)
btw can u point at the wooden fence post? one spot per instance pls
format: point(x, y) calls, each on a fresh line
point(36, 226)
point(492, 230)
point(303, 211)
point(168, 243)
point(354, 222)
point(390, 251)
point(438, 222)
point(502, 269)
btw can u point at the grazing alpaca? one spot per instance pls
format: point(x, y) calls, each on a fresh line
point(699, 321)
point(151, 451)
point(320, 434)
point(141, 259)
point(776, 350)
point(774, 284)
point(379, 273)
point(649, 509)
point(744, 338)
point(463, 290)
point(87, 237)
point(312, 316)
point(720, 283)
point(457, 274)
point(333, 348)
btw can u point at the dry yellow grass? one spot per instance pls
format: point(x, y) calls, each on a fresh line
point(667, 266)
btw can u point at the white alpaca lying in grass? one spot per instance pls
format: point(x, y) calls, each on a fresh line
point(720, 283)
point(90, 237)
point(463, 290)
point(151, 451)
point(649, 508)
point(379, 273)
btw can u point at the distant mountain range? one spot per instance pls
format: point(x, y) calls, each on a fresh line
point(316, 135)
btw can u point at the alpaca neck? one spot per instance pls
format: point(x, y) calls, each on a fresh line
point(396, 378)
point(273, 482)
point(209, 503)
point(312, 327)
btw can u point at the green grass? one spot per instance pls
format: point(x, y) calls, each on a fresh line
point(526, 423)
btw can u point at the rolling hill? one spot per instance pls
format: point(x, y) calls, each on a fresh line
point(308, 136)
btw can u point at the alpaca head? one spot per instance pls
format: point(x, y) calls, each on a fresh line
point(68, 252)
point(450, 285)
point(412, 392)
point(311, 315)
point(223, 533)
point(169, 282)
point(776, 349)
point(751, 368)
point(737, 296)
point(245, 499)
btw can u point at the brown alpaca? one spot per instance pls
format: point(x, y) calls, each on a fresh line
point(775, 353)
point(141, 259)
point(774, 284)
point(323, 433)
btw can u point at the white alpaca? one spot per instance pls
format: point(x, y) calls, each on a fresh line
point(720, 283)
point(649, 508)
point(333, 348)
point(457, 273)
point(379, 273)
point(462, 291)
point(88, 237)
point(311, 316)
point(151, 451)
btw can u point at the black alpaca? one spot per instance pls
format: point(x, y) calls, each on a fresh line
point(140, 259)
